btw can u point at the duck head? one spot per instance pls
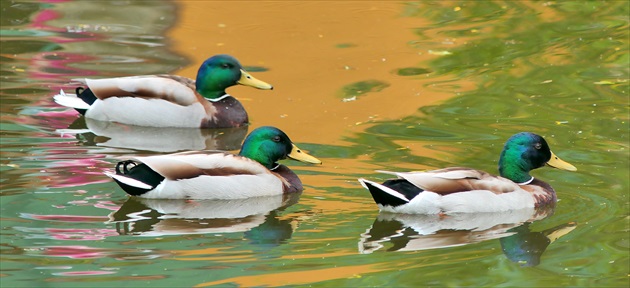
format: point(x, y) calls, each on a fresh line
point(524, 152)
point(268, 144)
point(219, 72)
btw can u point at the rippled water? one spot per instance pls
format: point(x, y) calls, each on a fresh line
point(362, 86)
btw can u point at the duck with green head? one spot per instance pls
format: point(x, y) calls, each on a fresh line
point(167, 100)
point(217, 175)
point(466, 190)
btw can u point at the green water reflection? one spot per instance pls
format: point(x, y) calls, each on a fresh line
point(559, 69)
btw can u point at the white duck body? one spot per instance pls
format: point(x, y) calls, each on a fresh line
point(174, 96)
point(154, 101)
point(199, 175)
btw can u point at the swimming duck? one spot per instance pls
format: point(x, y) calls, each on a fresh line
point(466, 190)
point(217, 175)
point(167, 100)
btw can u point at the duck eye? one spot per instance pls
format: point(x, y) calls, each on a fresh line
point(225, 65)
point(537, 146)
point(276, 139)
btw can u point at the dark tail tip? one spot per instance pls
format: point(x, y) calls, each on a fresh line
point(87, 96)
point(131, 190)
point(383, 198)
point(140, 172)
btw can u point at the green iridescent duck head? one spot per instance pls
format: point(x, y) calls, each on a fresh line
point(219, 72)
point(524, 152)
point(267, 145)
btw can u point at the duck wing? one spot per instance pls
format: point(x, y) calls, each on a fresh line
point(175, 89)
point(188, 165)
point(457, 179)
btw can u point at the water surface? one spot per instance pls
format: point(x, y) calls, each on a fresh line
point(362, 86)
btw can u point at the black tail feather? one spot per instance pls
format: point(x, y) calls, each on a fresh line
point(87, 96)
point(383, 198)
point(400, 185)
point(140, 172)
point(403, 187)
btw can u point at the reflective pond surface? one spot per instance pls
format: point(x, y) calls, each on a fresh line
point(360, 85)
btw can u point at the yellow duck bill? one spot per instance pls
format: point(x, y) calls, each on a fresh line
point(556, 162)
point(299, 155)
point(249, 80)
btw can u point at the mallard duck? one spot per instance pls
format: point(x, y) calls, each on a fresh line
point(466, 190)
point(167, 100)
point(217, 175)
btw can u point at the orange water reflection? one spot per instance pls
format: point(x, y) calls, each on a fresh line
point(298, 277)
point(302, 45)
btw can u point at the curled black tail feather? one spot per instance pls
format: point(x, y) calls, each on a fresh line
point(87, 96)
point(140, 172)
point(124, 165)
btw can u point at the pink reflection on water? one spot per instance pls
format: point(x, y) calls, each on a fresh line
point(40, 20)
point(65, 218)
point(105, 204)
point(74, 252)
point(48, 120)
point(87, 252)
point(58, 114)
point(54, 65)
point(73, 172)
point(83, 273)
point(80, 234)
point(108, 205)
point(54, 1)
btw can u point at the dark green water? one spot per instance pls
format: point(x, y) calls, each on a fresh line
point(558, 69)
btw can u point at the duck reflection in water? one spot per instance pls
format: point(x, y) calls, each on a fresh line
point(257, 217)
point(526, 247)
point(92, 132)
point(411, 232)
